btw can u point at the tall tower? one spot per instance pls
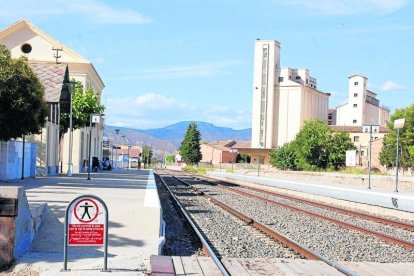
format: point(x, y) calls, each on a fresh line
point(265, 94)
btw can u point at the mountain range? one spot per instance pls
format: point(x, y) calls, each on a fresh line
point(169, 138)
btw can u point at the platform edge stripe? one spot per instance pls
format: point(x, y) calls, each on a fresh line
point(161, 266)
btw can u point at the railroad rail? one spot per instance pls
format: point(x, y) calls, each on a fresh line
point(378, 219)
point(307, 253)
point(385, 237)
point(206, 246)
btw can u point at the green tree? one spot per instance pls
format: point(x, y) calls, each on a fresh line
point(147, 156)
point(23, 110)
point(84, 103)
point(190, 146)
point(169, 159)
point(339, 143)
point(311, 145)
point(284, 157)
point(315, 147)
point(406, 140)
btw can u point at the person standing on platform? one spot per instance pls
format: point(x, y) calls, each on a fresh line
point(139, 161)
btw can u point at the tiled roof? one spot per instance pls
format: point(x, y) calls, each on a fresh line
point(52, 77)
point(242, 144)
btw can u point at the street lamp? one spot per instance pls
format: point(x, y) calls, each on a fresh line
point(93, 118)
point(397, 125)
point(116, 148)
point(122, 151)
point(232, 151)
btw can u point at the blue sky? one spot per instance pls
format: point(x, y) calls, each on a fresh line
point(173, 60)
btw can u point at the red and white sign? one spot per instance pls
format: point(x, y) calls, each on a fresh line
point(86, 222)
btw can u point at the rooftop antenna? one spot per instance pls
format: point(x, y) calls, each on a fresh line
point(57, 56)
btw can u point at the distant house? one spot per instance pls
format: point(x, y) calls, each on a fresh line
point(217, 152)
point(361, 142)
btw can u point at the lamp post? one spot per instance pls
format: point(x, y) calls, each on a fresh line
point(397, 125)
point(93, 118)
point(116, 148)
point(129, 158)
point(70, 131)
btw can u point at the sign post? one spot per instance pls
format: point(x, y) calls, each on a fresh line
point(86, 224)
point(397, 125)
point(370, 129)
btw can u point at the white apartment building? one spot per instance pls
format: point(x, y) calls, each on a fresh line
point(283, 98)
point(362, 108)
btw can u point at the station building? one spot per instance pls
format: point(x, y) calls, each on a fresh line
point(43, 52)
point(283, 98)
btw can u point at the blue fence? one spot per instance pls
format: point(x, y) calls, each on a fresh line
point(11, 157)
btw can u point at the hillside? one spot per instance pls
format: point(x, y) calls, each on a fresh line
point(168, 139)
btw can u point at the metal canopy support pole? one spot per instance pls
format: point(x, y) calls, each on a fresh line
point(396, 161)
point(90, 145)
point(369, 163)
point(24, 141)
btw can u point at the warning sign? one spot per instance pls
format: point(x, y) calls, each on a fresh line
point(86, 222)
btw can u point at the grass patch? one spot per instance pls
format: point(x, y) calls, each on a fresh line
point(191, 169)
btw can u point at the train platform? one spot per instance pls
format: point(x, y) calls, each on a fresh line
point(135, 223)
point(203, 266)
point(402, 201)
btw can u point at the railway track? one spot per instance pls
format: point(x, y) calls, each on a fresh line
point(382, 220)
point(262, 231)
point(374, 245)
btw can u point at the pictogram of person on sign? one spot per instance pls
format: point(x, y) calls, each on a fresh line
point(86, 210)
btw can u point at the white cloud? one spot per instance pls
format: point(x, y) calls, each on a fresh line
point(348, 7)
point(152, 110)
point(391, 86)
point(179, 72)
point(91, 10)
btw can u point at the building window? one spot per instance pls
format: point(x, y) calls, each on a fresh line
point(356, 138)
point(290, 77)
point(280, 79)
point(355, 105)
point(298, 77)
point(26, 48)
point(355, 95)
point(354, 121)
point(355, 83)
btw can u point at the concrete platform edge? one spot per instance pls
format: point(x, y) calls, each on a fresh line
point(397, 201)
